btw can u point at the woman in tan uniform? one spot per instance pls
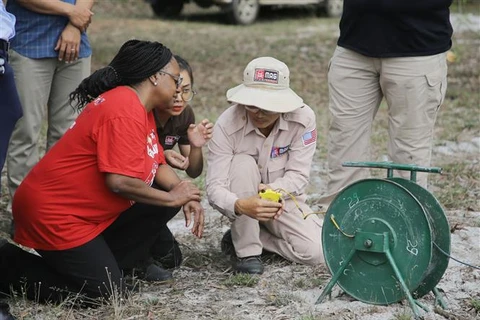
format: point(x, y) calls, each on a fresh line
point(265, 140)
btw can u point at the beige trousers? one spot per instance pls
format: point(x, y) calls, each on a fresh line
point(414, 89)
point(43, 86)
point(290, 236)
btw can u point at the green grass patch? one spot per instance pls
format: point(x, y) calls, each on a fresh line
point(308, 283)
point(458, 187)
point(281, 299)
point(241, 280)
point(474, 304)
point(404, 315)
point(310, 317)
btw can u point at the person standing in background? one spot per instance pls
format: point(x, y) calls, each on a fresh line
point(394, 50)
point(50, 55)
point(10, 107)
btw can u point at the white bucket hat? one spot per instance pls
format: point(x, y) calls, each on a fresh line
point(266, 85)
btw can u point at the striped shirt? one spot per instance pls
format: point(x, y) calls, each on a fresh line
point(37, 34)
point(7, 23)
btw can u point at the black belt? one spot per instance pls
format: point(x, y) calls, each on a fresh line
point(4, 45)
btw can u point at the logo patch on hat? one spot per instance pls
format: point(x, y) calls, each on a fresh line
point(264, 75)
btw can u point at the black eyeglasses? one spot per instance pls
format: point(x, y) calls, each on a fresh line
point(178, 79)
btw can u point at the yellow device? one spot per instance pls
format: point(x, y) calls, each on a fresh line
point(271, 195)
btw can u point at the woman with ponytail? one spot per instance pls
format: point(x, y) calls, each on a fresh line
point(88, 207)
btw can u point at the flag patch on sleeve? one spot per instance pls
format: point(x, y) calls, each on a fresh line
point(309, 137)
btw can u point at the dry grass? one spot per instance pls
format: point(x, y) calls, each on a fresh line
point(204, 287)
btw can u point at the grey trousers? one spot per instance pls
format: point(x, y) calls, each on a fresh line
point(43, 86)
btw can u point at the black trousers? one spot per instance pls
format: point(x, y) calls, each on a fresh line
point(93, 269)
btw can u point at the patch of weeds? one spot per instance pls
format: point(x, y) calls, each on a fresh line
point(317, 282)
point(281, 299)
point(301, 283)
point(310, 317)
point(373, 310)
point(304, 283)
point(241, 280)
point(465, 7)
point(151, 300)
point(477, 224)
point(196, 260)
point(405, 315)
point(458, 187)
point(200, 181)
point(474, 304)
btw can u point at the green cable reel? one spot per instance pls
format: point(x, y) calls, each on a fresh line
point(385, 240)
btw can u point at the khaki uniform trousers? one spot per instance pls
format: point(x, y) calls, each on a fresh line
point(41, 83)
point(292, 237)
point(414, 89)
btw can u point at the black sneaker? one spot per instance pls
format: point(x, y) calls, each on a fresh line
point(226, 245)
point(169, 259)
point(228, 248)
point(5, 312)
point(148, 271)
point(249, 265)
point(154, 273)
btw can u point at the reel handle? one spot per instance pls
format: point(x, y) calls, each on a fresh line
point(390, 166)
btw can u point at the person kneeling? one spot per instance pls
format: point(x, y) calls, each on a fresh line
point(265, 140)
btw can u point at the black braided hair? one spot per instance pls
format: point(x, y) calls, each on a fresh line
point(184, 65)
point(135, 61)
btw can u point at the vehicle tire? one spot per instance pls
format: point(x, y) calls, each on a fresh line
point(242, 11)
point(205, 4)
point(167, 8)
point(333, 8)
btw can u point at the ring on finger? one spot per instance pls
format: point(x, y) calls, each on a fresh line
point(73, 49)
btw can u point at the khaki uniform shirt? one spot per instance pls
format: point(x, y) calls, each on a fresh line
point(284, 157)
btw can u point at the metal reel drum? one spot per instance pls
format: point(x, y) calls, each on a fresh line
point(440, 235)
point(372, 211)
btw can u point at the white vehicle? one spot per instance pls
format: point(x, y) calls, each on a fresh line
point(243, 11)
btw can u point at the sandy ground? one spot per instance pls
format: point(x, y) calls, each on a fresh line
point(279, 294)
point(290, 291)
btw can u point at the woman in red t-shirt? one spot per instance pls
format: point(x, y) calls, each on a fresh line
point(88, 207)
